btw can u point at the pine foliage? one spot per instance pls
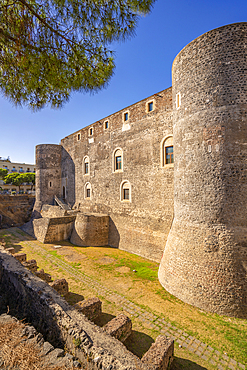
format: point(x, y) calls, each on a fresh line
point(50, 48)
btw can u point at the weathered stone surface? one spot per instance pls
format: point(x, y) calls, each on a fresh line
point(31, 265)
point(205, 257)
point(3, 243)
point(91, 308)
point(140, 225)
point(15, 210)
point(52, 211)
point(10, 250)
point(61, 286)
point(48, 175)
point(43, 275)
point(48, 230)
point(21, 257)
point(60, 323)
point(160, 354)
point(90, 230)
point(120, 327)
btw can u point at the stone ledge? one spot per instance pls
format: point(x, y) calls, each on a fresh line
point(160, 354)
point(61, 286)
point(120, 327)
point(91, 308)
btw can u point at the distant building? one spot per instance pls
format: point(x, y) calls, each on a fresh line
point(12, 167)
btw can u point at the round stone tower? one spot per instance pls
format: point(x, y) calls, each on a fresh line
point(205, 257)
point(48, 174)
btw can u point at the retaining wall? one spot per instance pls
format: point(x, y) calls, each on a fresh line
point(31, 298)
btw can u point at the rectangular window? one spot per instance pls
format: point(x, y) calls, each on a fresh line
point(79, 137)
point(118, 163)
point(178, 100)
point(169, 154)
point(126, 116)
point(106, 125)
point(88, 193)
point(86, 168)
point(150, 106)
point(91, 132)
point(126, 194)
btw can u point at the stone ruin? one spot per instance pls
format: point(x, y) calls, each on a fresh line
point(62, 325)
point(91, 308)
point(120, 327)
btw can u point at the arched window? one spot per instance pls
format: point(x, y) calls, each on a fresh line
point(88, 191)
point(118, 160)
point(86, 165)
point(167, 156)
point(125, 191)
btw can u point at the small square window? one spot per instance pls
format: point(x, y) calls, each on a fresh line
point(106, 125)
point(150, 106)
point(126, 116)
point(126, 194)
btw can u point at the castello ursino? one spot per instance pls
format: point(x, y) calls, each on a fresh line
point(165, 178)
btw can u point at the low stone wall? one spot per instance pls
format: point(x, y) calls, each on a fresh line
point(61, 324)
point(91, 308)
point(61, 286)
point(160, 354)
point(120, 327)
point(15, 210)
point(52, 211)
point(48, 230)
point(90, 230)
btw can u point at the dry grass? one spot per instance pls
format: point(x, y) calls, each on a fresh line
point(16, 353)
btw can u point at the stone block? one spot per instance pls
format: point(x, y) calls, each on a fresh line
point(90, 230)
point(120, 327)
point(31, 265)
point(43, 275)
point(21, 257)
point(49, 230)
point(160, 354)
point(2, 242)
point(10, 250)
point(61, 286)
point(91, 308)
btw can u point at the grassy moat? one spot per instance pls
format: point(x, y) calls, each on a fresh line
point(135, 278)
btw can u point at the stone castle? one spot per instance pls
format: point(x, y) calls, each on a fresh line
point(128, 190)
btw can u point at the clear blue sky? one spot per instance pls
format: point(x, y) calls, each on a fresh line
point(143, 67)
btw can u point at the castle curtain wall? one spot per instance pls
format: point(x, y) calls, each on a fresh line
point(141, 223)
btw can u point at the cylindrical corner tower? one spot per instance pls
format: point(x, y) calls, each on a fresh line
point(205, 257)
point(48, 174)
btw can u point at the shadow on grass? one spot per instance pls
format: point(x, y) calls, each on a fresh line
point(138, 343)
point(73, 298)
point(103, 319)
point(184, 364)
point(18, 248)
